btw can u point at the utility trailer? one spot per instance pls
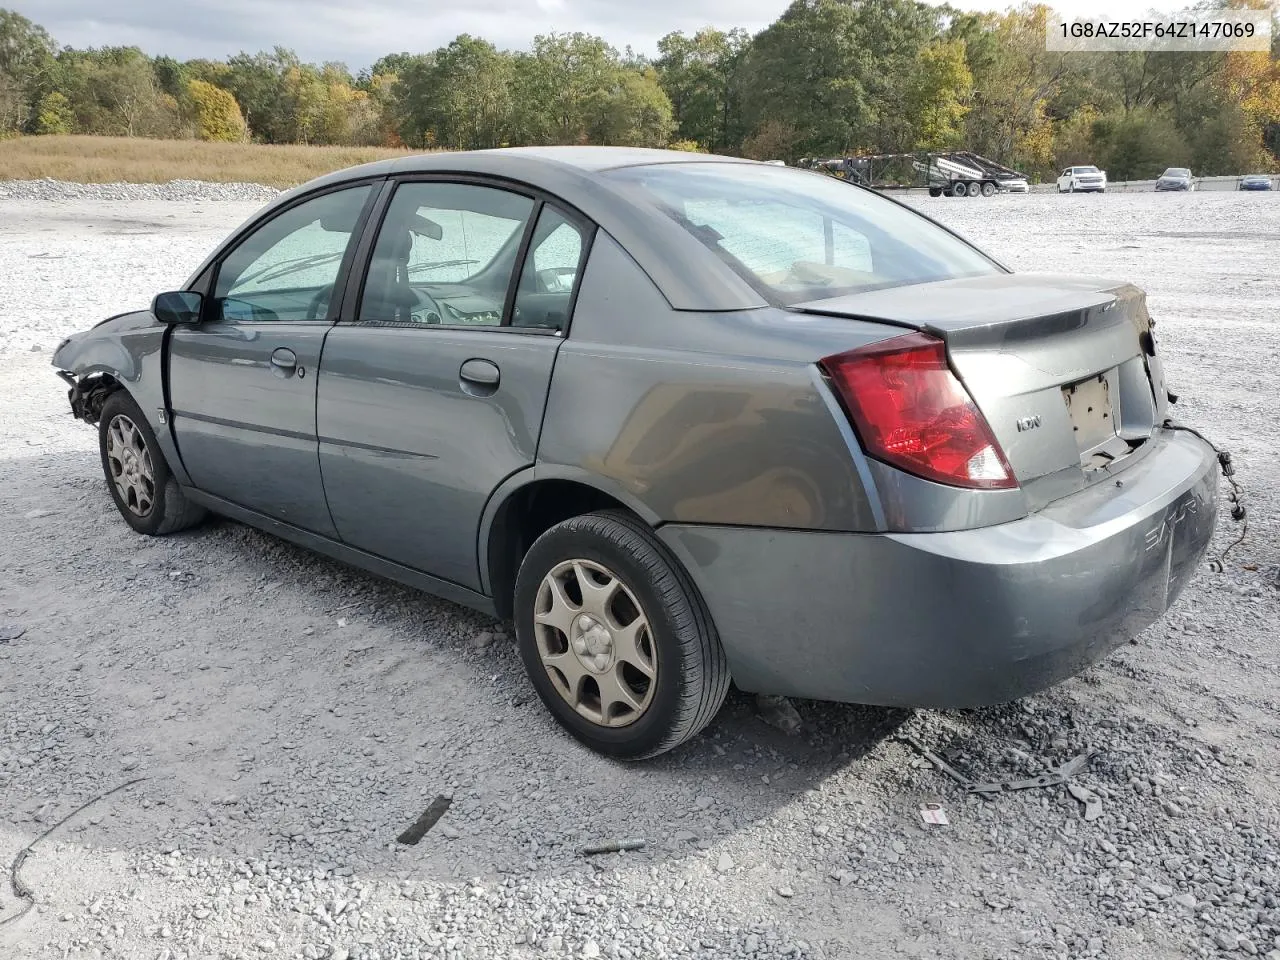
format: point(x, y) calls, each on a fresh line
point(958, 173)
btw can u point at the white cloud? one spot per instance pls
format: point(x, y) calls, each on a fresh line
point(360, 32)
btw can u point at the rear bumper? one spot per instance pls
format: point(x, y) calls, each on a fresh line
point(957, 619)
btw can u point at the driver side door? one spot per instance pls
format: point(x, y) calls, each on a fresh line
point(242, 383)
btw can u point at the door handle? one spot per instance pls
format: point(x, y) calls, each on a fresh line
point(283, 362)
point(480, 373)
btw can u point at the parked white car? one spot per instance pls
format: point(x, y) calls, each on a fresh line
point(1082, 180)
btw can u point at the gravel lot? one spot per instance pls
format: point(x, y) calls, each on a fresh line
point(292, 717)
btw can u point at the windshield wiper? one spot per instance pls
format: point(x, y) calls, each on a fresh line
point(440, 263)
point(283, 269)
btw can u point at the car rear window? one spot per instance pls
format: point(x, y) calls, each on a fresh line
point(795, 235)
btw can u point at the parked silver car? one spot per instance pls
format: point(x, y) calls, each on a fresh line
point(683, 418)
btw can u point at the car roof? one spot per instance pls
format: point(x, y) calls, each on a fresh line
point(516, 159)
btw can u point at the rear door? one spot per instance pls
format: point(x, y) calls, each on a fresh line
point(432, 389)
point(242, 383)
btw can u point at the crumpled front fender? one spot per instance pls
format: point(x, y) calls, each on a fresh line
point(129, 349)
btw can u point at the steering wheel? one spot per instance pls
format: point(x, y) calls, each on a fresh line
point(428, 305)
point(318, 309)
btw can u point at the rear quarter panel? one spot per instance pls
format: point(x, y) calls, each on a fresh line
point(703, 417)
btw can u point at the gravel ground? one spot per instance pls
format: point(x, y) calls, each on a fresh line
point(292, 717)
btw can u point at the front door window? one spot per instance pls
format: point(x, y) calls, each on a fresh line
point(287, 268)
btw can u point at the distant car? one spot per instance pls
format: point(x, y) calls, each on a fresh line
point(683, 418)
point(1175, 178)
point(1082, 180)
point(1255, 181)
point(1016, 185)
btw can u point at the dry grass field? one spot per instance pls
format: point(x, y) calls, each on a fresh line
point(136, 160)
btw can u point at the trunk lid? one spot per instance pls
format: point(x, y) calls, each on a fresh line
point(1063, 367)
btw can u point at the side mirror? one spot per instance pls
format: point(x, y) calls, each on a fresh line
point(178, 306)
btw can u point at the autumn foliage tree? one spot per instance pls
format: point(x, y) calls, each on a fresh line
point(217, 115)
point(827, 78)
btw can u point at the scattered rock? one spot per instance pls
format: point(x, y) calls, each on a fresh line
point(779, 713)
point(724, 864)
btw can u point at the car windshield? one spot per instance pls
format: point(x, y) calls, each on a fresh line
point(795, 235)
point(1176, 172)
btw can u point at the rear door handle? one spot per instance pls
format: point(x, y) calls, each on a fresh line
point(481, 373)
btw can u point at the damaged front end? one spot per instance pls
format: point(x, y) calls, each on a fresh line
point(88, 394)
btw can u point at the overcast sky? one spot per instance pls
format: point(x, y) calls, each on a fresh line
point(360, 31)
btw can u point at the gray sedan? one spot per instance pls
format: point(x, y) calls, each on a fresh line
point(685, 419)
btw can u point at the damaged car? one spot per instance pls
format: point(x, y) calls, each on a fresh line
point(687, 420)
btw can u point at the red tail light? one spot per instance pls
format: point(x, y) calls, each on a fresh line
point(913, 413)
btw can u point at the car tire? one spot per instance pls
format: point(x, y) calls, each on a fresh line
point(137, 475)
point(672, 636)
point(1072, 188)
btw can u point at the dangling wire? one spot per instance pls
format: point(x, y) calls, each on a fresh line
point(1238, 512)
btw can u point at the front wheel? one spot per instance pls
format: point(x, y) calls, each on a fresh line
point(615, 638)
point(144, 491)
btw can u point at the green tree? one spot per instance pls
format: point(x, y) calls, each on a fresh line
point(699, 74)
point(938, 95)
point(1139, 144)
point(1014, 81)
point(556, 85)
point(26, 67)
point(54, 115)
point(631, 111)
point(807, 73)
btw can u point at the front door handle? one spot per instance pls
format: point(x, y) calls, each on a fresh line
point(480, 373)
point(283, 362)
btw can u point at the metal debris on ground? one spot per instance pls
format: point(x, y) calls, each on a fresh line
point(1056, 777)
point(933, 813)
point(10, 631)
point(429, 817)
point(613, 846)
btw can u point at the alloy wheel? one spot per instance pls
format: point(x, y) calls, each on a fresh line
point(596, 643)
point(132, 471)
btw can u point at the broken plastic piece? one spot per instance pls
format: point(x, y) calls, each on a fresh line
point(933, 813)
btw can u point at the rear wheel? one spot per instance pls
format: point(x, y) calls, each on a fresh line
point(988, 189)
point(975, 189)
point(957, 190)
point(615, 638)
point(935, 191)
point(138, 477)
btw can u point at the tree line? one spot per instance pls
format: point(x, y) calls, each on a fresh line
point(828, 78)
